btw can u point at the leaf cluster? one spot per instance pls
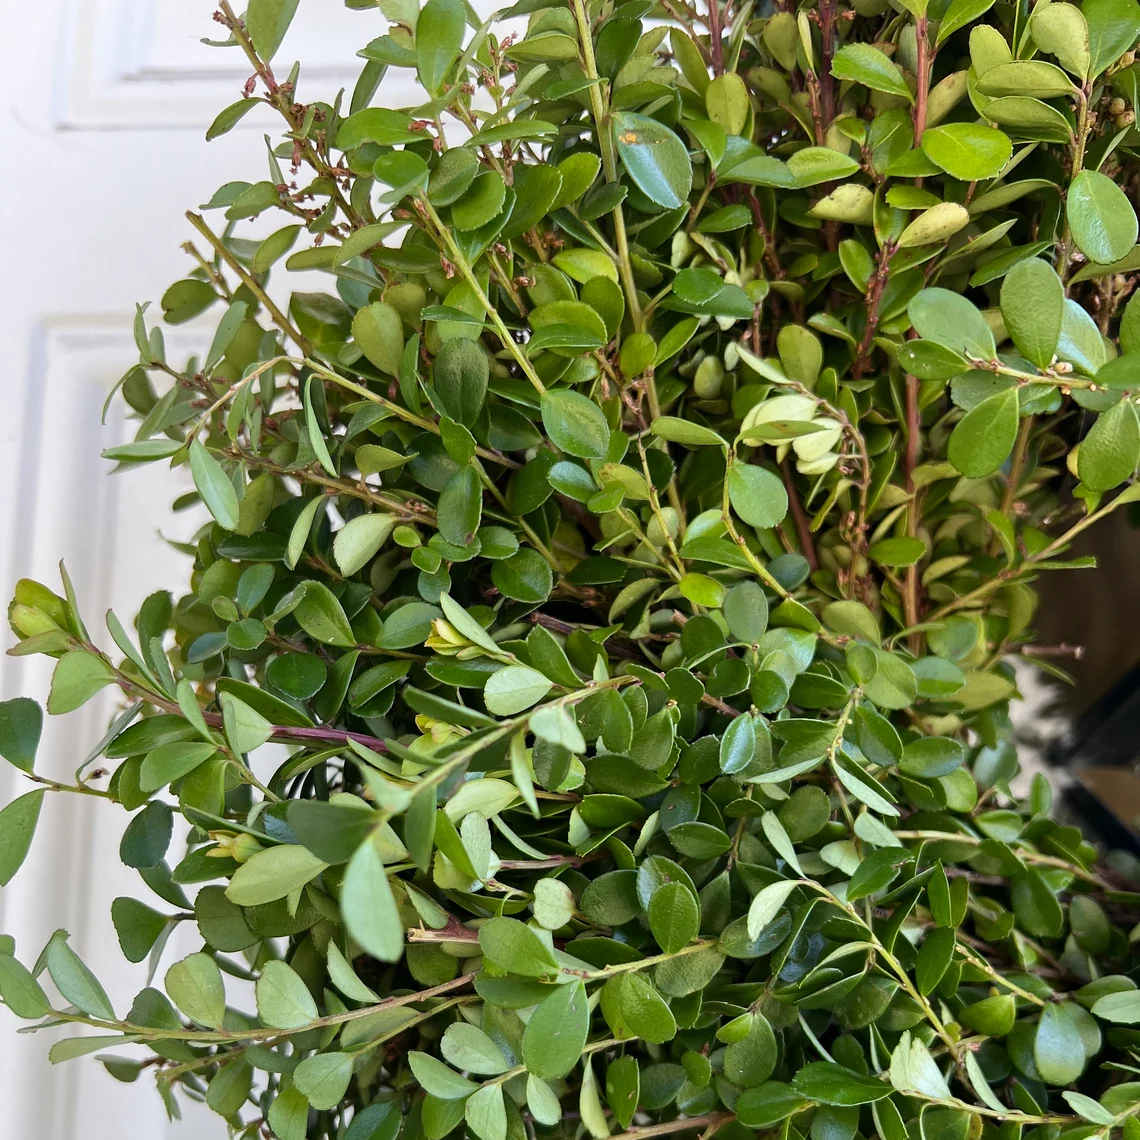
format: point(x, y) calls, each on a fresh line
point(588, 712)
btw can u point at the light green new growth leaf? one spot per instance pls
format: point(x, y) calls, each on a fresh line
point(368, 905)
point(556, 1032)
point(969, 152)
point(283, 999)
point(513, 689)
point(766, 905)
point(866, 64)
point(358, 541)
point(195, 986)
point(272, 874)
point(514, 946)
point(913, 1071)
point(486, 1113)
point(214, 486)
point(323, 1078)
point(468, 1048)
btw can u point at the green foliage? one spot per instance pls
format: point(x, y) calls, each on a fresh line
point(589, 709)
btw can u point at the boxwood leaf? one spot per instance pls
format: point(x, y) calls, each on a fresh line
point(969, 152)
point(21, 722)
point(513, 946)
point(986, 434)
point(757, 495)
point(267, 21)
point(513, 689)
point(214, 486)
point(952, 321)
point(1057, 1048)
point(655, 158)
point(1113, 26)
point(673, 917)
point(76, 981)
point(1101, 217)
point(866, 64)
point(829, 1083)
point(437, 1079)
point(283, 999)
point(486, 1113)
point(439, 40)
point(575, 424)
point(195, 986)
point(468, 1048)
point(369, 907)
point(323, 1078)
point(556, 1033)
point(17, 827)
point(1109, 453)
point(1033, 308)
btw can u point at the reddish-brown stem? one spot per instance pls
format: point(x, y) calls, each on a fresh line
point(716, 47)
point(922, 77)
point(283, 733)
point(799, 517)
point(910, 461)
point(827, 10)
point(774, 265)
point(816, 103)
point(872, 298)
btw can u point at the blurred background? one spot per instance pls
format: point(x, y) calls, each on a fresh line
point(103, 110)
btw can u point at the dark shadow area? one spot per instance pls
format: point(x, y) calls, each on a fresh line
point(1099, 610)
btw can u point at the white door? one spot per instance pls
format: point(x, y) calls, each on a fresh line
point(103, 110)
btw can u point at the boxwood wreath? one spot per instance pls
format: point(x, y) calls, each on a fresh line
point(626, 553)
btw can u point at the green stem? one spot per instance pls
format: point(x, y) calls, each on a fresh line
point(176, 1071)
point(642, 963)
point(455, 255)
point(1025, 856)
point(400, 413)
point(520, 522)
point(895, 966)
point(221, 1036)
point(998, 979)
point(411, 512)
point(604, 132)
point(77, 789)
point(249, 281)
point(232, 391)
point(655, 507)
point(1079, 142)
